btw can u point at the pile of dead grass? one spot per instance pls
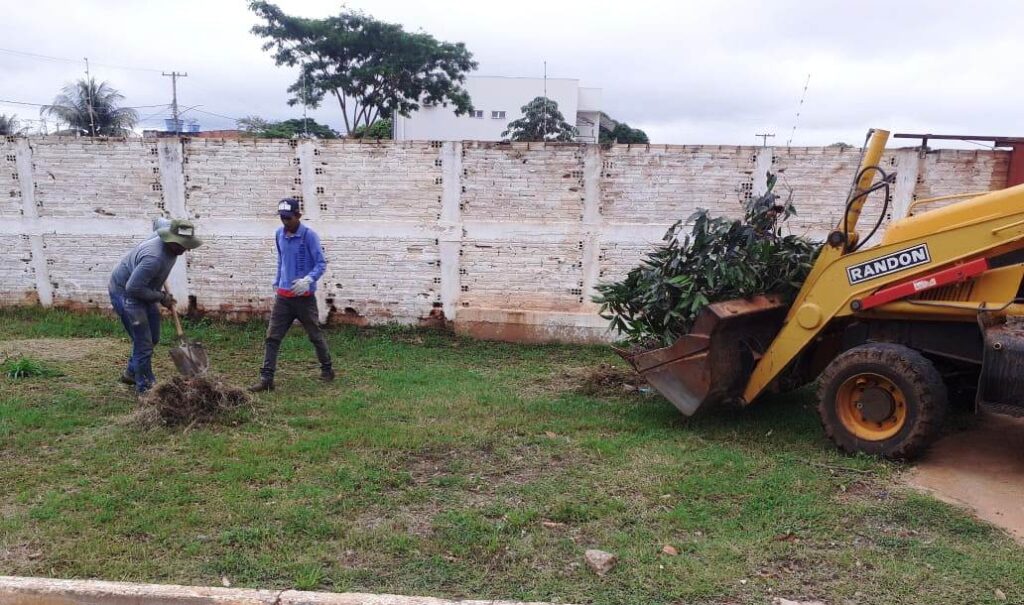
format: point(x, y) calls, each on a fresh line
point(190, 401)
point(605, 379)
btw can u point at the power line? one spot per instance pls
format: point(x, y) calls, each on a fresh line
point(216, 114)
point(67, 60)
point(153, 115)
point(22, 103)
point(992, 147)
point(799, 108)
point(162, 105)
point(36, 56)
point(188, 109)
point(47, 104)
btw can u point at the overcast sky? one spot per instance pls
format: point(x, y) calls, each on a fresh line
point(685, 72)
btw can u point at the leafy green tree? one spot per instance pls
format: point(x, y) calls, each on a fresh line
point(298, 128)
point(287, 129)
point(372, 68)
point(622, 133)
point(381, 129)
point(9, 124)
point(253, 125)
point(541, 121)
point(92, 109)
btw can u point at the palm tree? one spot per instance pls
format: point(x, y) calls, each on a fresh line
point(92, 109)
point(9, 124)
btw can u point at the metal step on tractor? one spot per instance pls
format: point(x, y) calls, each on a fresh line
point(891, 332)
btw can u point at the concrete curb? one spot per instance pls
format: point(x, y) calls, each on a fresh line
point(45, 591)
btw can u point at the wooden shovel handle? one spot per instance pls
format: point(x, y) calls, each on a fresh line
point(174, 313)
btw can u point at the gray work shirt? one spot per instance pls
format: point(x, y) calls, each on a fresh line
point(142, 272)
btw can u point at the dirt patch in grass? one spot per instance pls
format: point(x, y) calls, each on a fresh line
point(486, 470)
point(430, 482)
point(604, 379)
point(188, 401)
point(607, 379)
point(470, 478)
point(864, 488)
point(74, 362)
point(414, 519)
point(437, 481)
point(61, 349)
point(20, 556)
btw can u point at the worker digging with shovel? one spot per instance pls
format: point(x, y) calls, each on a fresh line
point(136, 287)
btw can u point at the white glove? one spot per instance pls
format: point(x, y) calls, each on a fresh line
point(300, 287)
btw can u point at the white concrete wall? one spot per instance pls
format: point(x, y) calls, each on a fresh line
point(590, 99)
point(507, 241)
point(588, 125)
point(491, 94)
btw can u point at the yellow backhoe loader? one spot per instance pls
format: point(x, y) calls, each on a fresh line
point(891, 331)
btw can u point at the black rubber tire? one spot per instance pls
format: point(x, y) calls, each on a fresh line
point(925, 393)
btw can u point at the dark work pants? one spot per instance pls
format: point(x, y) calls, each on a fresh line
point(142, 322)
point(286, 310)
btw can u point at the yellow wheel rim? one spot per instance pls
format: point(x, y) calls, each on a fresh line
point(871, 407)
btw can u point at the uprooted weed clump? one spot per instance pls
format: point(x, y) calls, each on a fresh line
point(190, 401)
point(606, 379)
point(720, 259)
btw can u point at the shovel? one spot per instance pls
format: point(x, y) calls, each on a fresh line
point(189, 357)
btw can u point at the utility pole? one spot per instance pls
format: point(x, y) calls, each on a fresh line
point(174, 97)
point(544, 121)
point(88, 99)
point(305, 92)
point(765, 137)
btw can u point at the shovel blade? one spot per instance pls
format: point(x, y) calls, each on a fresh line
point(190, 358)
point(713, 362)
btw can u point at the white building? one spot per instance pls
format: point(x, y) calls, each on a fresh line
point(496, 102)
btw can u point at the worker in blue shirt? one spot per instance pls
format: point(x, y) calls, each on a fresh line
point(300, 263)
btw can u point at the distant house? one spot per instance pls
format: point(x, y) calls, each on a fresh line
point(496, 102)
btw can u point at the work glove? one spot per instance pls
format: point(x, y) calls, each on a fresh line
point(300, 287)
point(168, 301)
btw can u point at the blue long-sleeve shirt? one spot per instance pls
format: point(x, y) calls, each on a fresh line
point(299, 255)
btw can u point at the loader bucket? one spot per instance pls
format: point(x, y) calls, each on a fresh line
point(714, 360)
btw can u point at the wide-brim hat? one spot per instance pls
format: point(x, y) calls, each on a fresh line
point(180, 232)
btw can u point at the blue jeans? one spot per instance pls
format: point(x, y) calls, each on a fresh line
point(142, 322)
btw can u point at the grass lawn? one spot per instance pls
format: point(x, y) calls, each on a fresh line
point(442, 466)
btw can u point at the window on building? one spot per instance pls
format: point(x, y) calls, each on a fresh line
point(476, 113)
point(498, 115)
